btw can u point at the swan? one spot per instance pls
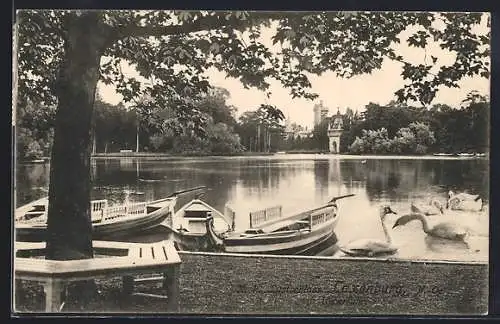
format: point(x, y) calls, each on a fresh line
point(464, 201)
point(445, 230)
point(372, 247)
point(435, 207)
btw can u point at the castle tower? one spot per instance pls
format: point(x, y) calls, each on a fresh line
point(323, 113)
point(335, 128)
point(320, 113)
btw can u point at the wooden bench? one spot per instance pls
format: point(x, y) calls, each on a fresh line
point(140, 259)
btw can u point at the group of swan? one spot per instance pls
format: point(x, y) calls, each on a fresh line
point(461, 201)
point(445, 230)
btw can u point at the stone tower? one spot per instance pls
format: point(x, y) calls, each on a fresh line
point(320, 112)
point(335, 128)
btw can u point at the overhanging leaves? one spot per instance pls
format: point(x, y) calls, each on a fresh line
point(176, 49)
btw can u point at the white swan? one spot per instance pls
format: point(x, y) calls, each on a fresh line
point(446, 230)
point(464, 201)
point(372, 247)
point(434, 208)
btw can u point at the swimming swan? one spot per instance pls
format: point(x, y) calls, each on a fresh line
point(434, 208)
point(372, 247)
point(445, 230)
point(464, 201)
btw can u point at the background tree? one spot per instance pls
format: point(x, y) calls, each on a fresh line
point(63, 54)
point(351, 122)
point(247, 130)
point(218, 136)
point(34, 130)
point(270, 118)
point(320, 139)
point(260, 128)
point(114, 127)
point(414, 139)
point(215, 105)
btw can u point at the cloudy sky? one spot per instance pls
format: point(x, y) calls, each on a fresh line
point(356, 92)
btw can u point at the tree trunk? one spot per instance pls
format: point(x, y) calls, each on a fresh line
point(269, 141)
point(69, 228)
point(137, 139)
point(265, 139)
point(93, 143)
point(257, 145)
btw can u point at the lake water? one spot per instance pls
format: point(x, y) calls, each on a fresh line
point(300, 182)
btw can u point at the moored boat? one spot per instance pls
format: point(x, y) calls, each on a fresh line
point(189, 226)
point(108, 222)
point(305, 233)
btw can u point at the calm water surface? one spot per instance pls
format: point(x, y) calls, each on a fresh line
point(299, 182)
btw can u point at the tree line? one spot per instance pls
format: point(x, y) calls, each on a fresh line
point(396, 128)
point(389, 129)
point(401, 129)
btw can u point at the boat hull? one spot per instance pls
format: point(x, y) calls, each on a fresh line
point(102, 231)
point(300, 243)
point(198, 243)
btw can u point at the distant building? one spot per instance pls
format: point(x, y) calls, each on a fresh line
point(288, 128)
point(335, 128)
point(320, 113)
point(292, 130)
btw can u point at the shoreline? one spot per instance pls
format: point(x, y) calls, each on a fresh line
point(278, 155)
point(288, 155)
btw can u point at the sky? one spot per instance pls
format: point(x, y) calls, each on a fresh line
point(335, 92)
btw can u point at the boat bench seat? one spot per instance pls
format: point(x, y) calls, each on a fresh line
point(278, 225)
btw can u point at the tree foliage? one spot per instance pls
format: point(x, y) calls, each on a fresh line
point(177, 47)
point(414, 139)
point(114, 127)
point(261, 130)
point(218, 135)
point(34, 130)
point(455, 129)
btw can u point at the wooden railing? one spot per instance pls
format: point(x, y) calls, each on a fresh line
point(115, 211)
point(97, 209)
point(265, 215)
point(100, 211)
point(319, 218)
point(230, 214)
point(136, 209)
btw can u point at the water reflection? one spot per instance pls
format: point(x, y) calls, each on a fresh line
point(299, 183)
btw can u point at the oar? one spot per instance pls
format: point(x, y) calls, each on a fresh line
point(178, 193)
point(185, 190)
point(334, 199)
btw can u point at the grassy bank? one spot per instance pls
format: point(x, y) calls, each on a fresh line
point(213, 283)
